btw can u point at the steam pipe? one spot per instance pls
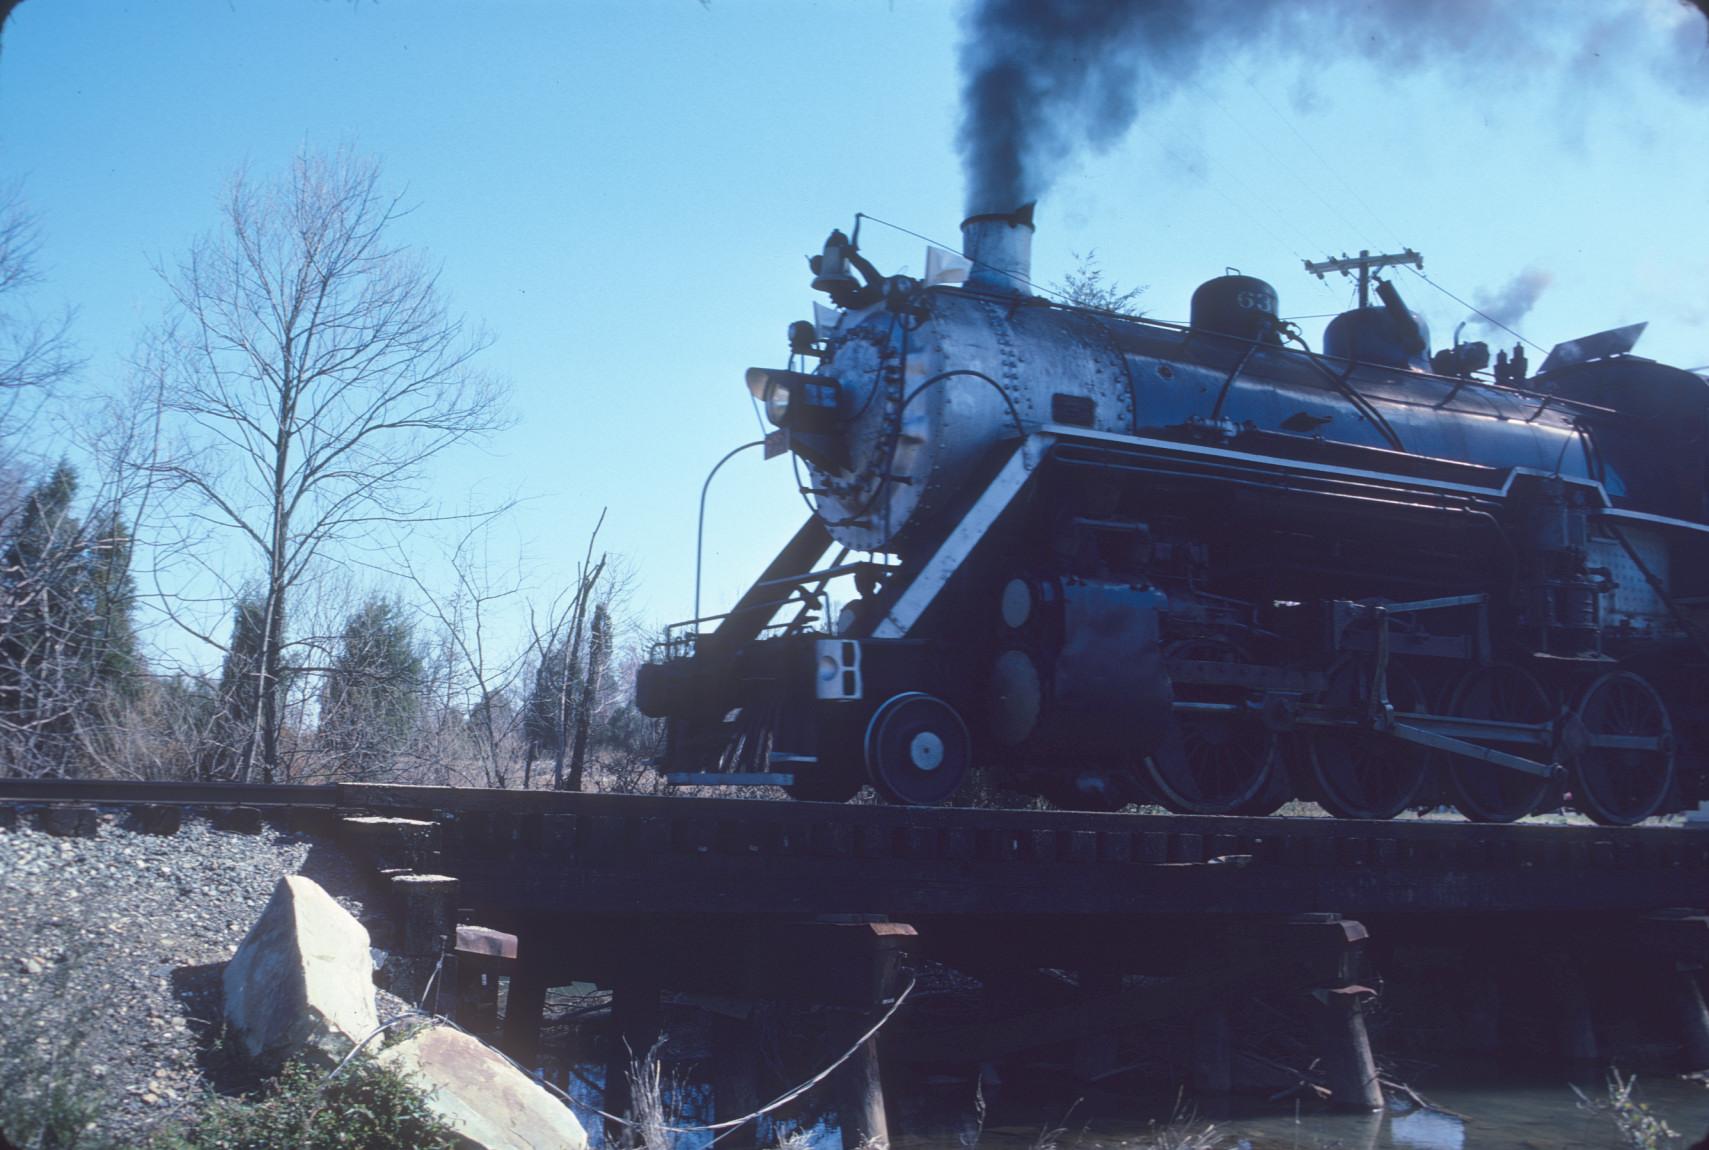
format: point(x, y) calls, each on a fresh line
point(700, 525)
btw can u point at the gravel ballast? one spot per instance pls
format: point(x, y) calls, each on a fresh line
point(111, 949)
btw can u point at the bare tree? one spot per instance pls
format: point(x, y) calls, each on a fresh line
point(571, 682)
point(312, 369)
point(593, 683)
point(35, 354)
point(475, 680)
point(568, 668)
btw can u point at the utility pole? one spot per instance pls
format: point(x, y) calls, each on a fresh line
point(1364, 263)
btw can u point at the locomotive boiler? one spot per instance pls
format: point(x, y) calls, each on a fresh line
point(1106, 559)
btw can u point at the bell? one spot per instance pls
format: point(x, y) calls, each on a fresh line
point(831, 269)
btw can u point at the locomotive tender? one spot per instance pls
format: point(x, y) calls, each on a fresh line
point(1106, 559)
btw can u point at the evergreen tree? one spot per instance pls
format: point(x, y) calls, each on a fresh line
point(542, 721)
point(117, 662)
point(371, 698)
point(40, 622)
point(239, 690)
point(46, 528)
point(68, 647)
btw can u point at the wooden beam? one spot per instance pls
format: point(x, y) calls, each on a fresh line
point(1162, 998)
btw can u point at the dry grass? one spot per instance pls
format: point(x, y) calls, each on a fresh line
point(1640, 1128)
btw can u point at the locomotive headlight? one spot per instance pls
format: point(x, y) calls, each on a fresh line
point(796, 400)
point(777, 402)
point(806, 407)
point(772, 389)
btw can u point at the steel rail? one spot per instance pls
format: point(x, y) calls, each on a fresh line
point(427, 801)
point(98, 791)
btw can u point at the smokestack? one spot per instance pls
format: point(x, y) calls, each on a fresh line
point(1000, 244)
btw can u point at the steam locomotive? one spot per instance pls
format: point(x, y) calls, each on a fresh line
point(1106, 559)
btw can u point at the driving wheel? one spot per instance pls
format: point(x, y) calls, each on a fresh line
point(1484, 792)
point(917, 749)
point(1623, 768)
point(1212, 762)
point(1361, 773)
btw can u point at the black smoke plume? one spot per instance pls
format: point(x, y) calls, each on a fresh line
point(1042, 79)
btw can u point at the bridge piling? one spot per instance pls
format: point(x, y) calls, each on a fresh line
point(735, 1074)
point(426, 910)
point(1095, 1053)
point(1212, 1067)
point(527, 997)
point(1331, 948)
point(1692, 1017)
point(634, 1029)
point(1575, 1023)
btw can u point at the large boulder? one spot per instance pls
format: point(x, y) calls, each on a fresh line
point(302, 981)
point(480, 1095)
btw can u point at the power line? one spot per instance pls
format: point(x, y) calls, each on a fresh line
point(1322, 160)
point(1279, 161)
point(950, 248)
point(1331, 170)
point(1216, 184)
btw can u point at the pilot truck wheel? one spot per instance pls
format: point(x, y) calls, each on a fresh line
point(917, 749)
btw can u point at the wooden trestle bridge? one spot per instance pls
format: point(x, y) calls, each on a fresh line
point(738, 900)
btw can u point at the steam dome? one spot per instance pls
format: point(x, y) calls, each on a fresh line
point(1373, 335)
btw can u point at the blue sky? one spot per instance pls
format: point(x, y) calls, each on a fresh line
point(623, 193)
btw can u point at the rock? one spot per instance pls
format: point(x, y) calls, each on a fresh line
point(480, 1095)
point(301, 980)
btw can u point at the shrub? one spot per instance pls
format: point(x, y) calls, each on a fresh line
point(367, 1107)
point(1640, 1127)
point(44, 1102)
point(49, 1097)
